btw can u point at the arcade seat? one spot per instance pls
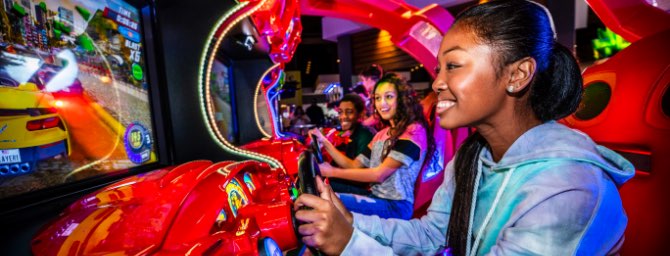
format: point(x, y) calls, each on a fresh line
point(431, 175)
point(626, 107)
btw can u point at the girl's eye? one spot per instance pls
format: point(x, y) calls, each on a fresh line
point(452, 66)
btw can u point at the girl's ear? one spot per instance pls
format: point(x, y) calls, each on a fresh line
point(521, 74)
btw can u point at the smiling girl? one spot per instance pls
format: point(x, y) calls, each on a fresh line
point(392, 159)
point(522, 184)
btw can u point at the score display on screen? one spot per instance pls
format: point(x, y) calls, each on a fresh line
point(74, 100)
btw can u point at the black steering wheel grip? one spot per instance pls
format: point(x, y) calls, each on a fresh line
point(316, 149)
point(308, 169)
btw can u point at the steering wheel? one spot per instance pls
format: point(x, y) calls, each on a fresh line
point(307, 172)
point(308, 169)
point(316, 149)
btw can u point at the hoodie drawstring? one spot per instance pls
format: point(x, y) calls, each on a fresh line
point(472, 208)
point(472, 251)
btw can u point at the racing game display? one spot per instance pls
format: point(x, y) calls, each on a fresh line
point(74, 100)
point(223, 100)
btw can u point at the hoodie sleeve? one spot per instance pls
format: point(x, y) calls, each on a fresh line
point(426, 236)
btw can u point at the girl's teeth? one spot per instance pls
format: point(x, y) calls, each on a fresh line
point(445, 104)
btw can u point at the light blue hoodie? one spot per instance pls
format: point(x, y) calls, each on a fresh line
point(554, 192)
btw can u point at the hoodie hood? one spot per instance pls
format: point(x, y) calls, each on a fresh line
point(566, 144)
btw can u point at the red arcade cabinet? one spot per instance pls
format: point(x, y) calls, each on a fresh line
point(626, 107)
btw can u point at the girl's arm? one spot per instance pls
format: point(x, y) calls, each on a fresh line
point(425, 236)
point(372, 235)
point(375, 174)
point(404, 152)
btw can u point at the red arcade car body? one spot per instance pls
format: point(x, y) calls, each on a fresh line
point(195, 208)
point(286, 150)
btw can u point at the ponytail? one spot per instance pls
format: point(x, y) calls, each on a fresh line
point(557, 91)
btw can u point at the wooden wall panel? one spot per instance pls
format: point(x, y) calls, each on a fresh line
point(375, 47)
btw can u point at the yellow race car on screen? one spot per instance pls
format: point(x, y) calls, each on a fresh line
point(30, 128)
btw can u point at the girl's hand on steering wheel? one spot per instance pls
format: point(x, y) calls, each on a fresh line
point(324, 187)
point(327, 226)
point(326, 169)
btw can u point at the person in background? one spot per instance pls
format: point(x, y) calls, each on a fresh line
point(351, 110)
point(299, 120)
point(394, 157)
point(285, 117)
point(315, 114)
point(367, 80)
point(522, 184)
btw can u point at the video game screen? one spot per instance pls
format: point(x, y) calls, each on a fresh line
point(74, 100)
point(223, 100)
